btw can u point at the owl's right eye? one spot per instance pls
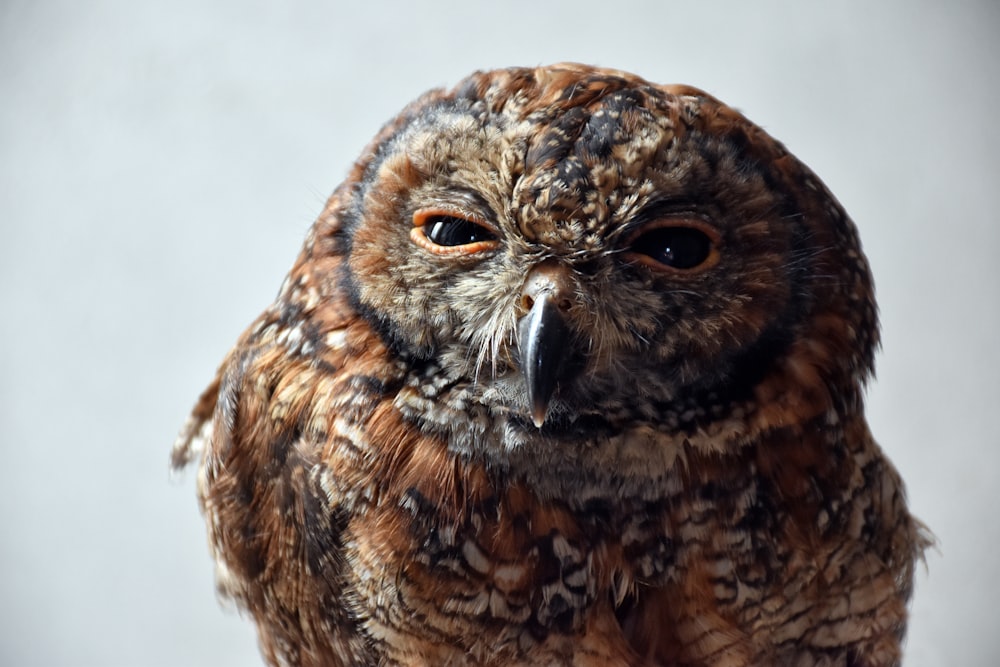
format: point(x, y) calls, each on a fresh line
point(445, 233)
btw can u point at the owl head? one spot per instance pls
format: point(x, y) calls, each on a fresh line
point(569, 253)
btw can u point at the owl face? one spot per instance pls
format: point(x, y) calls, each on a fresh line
point(585, 264)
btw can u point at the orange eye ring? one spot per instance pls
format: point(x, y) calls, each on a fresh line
point(445, 232)
point(677, 245)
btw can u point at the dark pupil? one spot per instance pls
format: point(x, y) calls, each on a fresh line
point(456, 231)
point(679, 247)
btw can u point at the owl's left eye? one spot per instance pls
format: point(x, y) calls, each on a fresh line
point(680, 246)
point(446, 233)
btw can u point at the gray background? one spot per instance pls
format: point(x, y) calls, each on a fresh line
point(160, 163)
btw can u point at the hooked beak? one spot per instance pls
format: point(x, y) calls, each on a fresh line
point(543, 337)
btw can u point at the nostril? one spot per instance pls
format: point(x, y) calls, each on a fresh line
point(551, 282)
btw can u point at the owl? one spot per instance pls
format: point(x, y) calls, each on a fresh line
point(569, 371)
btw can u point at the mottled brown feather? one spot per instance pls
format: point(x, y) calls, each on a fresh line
point(704, 489)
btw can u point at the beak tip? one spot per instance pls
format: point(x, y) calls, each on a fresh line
point(538, 417)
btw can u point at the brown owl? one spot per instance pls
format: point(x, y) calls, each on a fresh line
point(569, 371)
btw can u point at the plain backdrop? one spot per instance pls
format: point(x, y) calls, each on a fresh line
point(160, 163)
